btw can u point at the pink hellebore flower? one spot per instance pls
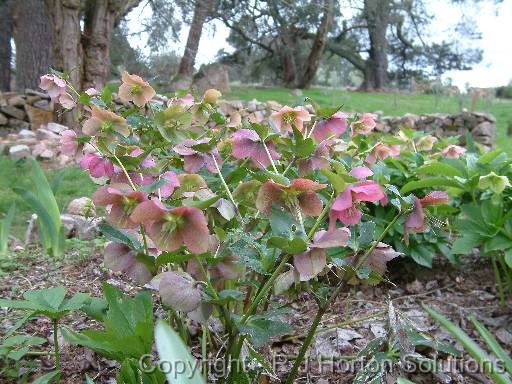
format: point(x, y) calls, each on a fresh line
point(172, 183)
point(360, 172)
point(97, 165)
point(381, 152)
point(68, 142)
point(172, 228)
point(288, 117)
point(186, 101)
point(91, 91)
point(415, 221)
point(426, 143)
point(54, 85)
point(310, 263)
point(364, 125)
point(300, 194)
point(453, 151)
point(247, 144)
point(345, 207)
point(318, 160)
point(195, 160)
point(121, 258)
point(135, 89)
point(333, 127)
point(103, 121)
point(66, 100)
point(122, 200)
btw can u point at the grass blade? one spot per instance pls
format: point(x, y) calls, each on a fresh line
point(470, 345)
point(493, 344)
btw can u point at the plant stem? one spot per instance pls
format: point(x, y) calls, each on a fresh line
point(498, 280)
point(270, 157)
point(204, 352)
point(226, 187)
point(320, 218)
point(56, 347)
point(323, 306)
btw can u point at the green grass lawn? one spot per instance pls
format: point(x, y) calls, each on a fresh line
point(74, 183)
point(390, 103)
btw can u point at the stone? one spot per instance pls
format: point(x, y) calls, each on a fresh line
point(273, 105)
point(45, 134)
point(252, 105)
point(81, 227)
point(26, 134)
point(212, 76)
point(55, 127)
point(485, 129)
point(38, 117)
point(20, 151)
point(82, 206)
point(44, 104)
point(16, 101)
point(11, 111)
point(296, 92)
point(47, 154)
point(33, 92)
point(504, 336)
point(18, 125)
point(3, 120)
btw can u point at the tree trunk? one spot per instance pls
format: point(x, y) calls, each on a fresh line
point(101, 17)
point(5, 45)
point(201, 11)
point(315, 55)
point(376, 13)
point(65, 22)
point(32, 37)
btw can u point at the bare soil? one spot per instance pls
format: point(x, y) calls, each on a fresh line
point(456, 292)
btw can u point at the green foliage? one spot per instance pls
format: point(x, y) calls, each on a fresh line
point(50, 302)
point(172, 350)
point(5, 226)
point(74, 182)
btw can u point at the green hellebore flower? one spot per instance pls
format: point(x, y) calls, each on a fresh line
point(494, 182)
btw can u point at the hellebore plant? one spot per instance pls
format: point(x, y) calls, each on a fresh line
point(216, 212)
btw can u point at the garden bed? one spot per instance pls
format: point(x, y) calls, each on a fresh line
point(455, 291)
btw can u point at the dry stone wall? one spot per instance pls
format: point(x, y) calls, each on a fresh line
point(28, 123)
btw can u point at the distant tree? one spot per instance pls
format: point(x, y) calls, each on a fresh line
point(202, 9)
point(290, 35)
point(33, 41)
point(5, 45)
point(124, 57)
point(392, 32)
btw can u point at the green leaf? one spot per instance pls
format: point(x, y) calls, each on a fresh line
point(430, 182)
point(336, 181)
point(172, 258)
point(423, 255)
point(493, 344)
point(118, 236)
point(128, 327)
point(46, 378)
point(403, 380)
point(173, 350)
point(508, 257)
point(366, 232)
point(261, 330)
point(202, 204)
point(489, 156)
point(498, 243)
point(466, 243)
point(440, 169)
point(154, 185)
point(5, 226)
point(470, 345)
